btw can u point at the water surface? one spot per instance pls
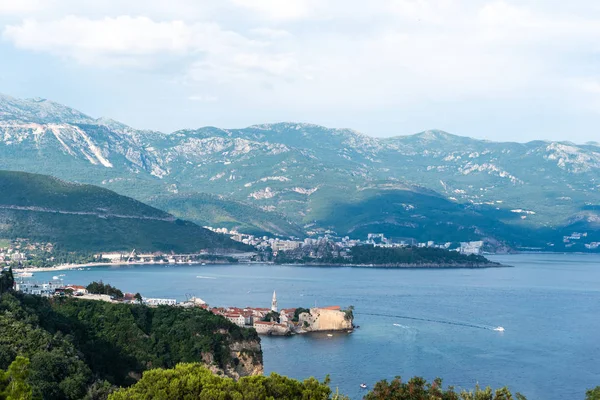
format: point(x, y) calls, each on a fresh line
point(425, 322)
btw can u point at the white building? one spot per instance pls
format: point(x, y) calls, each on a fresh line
point(160, 302)
point(236, 318)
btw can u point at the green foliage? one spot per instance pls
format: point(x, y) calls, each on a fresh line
point(349, 313)
point(105, 288)
point(73, 343)
point(7, 280)
point(412, 255)
point(271, 315)
point(210, 210)
point(418, 388)
point(14, 383)
point(93, 220)
point(299, 311)
point(396, 256)
point(593, 394)
point(193, 381)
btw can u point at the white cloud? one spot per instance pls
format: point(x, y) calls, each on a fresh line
point(203, 98)
point(122, 38)
point(280, 9)
point(18, 7)
point(271, 33)
point(329, 54)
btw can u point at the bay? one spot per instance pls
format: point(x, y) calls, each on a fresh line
point(425, 322)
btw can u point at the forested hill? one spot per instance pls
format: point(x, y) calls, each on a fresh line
point(81, 347)
point(369, 255)
point(88, 218)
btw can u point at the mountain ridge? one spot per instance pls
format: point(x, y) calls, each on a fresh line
point(303, 170)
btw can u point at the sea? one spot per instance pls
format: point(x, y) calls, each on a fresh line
point(412, 322)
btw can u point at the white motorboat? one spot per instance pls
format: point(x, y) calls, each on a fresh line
point(363, 385)
point(55, 278)
point(499, 329)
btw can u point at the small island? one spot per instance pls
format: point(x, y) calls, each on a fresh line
point(391, 257)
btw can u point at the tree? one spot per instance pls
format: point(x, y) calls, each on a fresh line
point(418, 388)
point(299, 311)
point(138, 298)
point(272, 315)
point(349, 313)
point(593, 394)
point(7, 280)
point(13, 382)
point(195, 381)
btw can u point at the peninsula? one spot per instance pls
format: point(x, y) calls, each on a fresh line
point(390, 257)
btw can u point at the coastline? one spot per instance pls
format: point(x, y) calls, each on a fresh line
point(404, 266)
point(65, 267)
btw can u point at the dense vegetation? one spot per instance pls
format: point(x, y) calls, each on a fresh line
point(79, 346)
point(14, 383)
point(116, 222)
point(369, 254)
point(419, 389)
point(193, 381)
point(104, 288)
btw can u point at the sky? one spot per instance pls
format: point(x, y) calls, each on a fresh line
point(498, 70)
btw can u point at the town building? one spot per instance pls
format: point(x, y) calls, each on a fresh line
point(160, 302)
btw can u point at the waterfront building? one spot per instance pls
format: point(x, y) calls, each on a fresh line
point(160, 302)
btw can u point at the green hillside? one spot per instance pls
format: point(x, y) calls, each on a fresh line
point(87, 218)
point(210, 210)
point(81, 346)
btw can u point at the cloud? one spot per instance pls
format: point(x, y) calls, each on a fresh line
point(203, 98)
point(19, 7)
point(278, 9)
point(271, 33)
point(121, 39)
point(329, 54)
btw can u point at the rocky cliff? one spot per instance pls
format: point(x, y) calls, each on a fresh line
point(246, 360)
point(326, 319)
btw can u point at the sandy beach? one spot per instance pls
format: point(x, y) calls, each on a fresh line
point(63, 267)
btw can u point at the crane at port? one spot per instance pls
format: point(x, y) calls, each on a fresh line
point(131, 255)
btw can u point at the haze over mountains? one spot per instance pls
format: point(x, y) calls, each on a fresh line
point(293, 179)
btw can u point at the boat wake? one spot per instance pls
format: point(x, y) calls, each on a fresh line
point(437, 321)
point(205, 277)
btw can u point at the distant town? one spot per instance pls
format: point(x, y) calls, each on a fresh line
point(266, 320)
point(22, 253)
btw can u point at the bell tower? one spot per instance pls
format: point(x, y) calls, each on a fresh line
point(274, 302)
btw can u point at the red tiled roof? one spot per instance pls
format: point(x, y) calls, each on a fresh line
point(331, 308)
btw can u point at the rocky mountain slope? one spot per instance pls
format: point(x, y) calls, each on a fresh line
point(537, 191)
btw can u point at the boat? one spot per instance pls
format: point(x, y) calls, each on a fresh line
point(203, 264)
point(363, 385)
point(24, 275)
point(55, 278)
point(499, 329)
point(329, 335)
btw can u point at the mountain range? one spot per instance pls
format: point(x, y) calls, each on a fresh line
point(294, 179)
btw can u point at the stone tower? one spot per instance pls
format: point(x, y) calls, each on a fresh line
point(274, 302)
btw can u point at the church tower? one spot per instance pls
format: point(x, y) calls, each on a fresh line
point(274, 302)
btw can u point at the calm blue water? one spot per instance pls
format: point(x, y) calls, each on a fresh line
point(548, 304)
